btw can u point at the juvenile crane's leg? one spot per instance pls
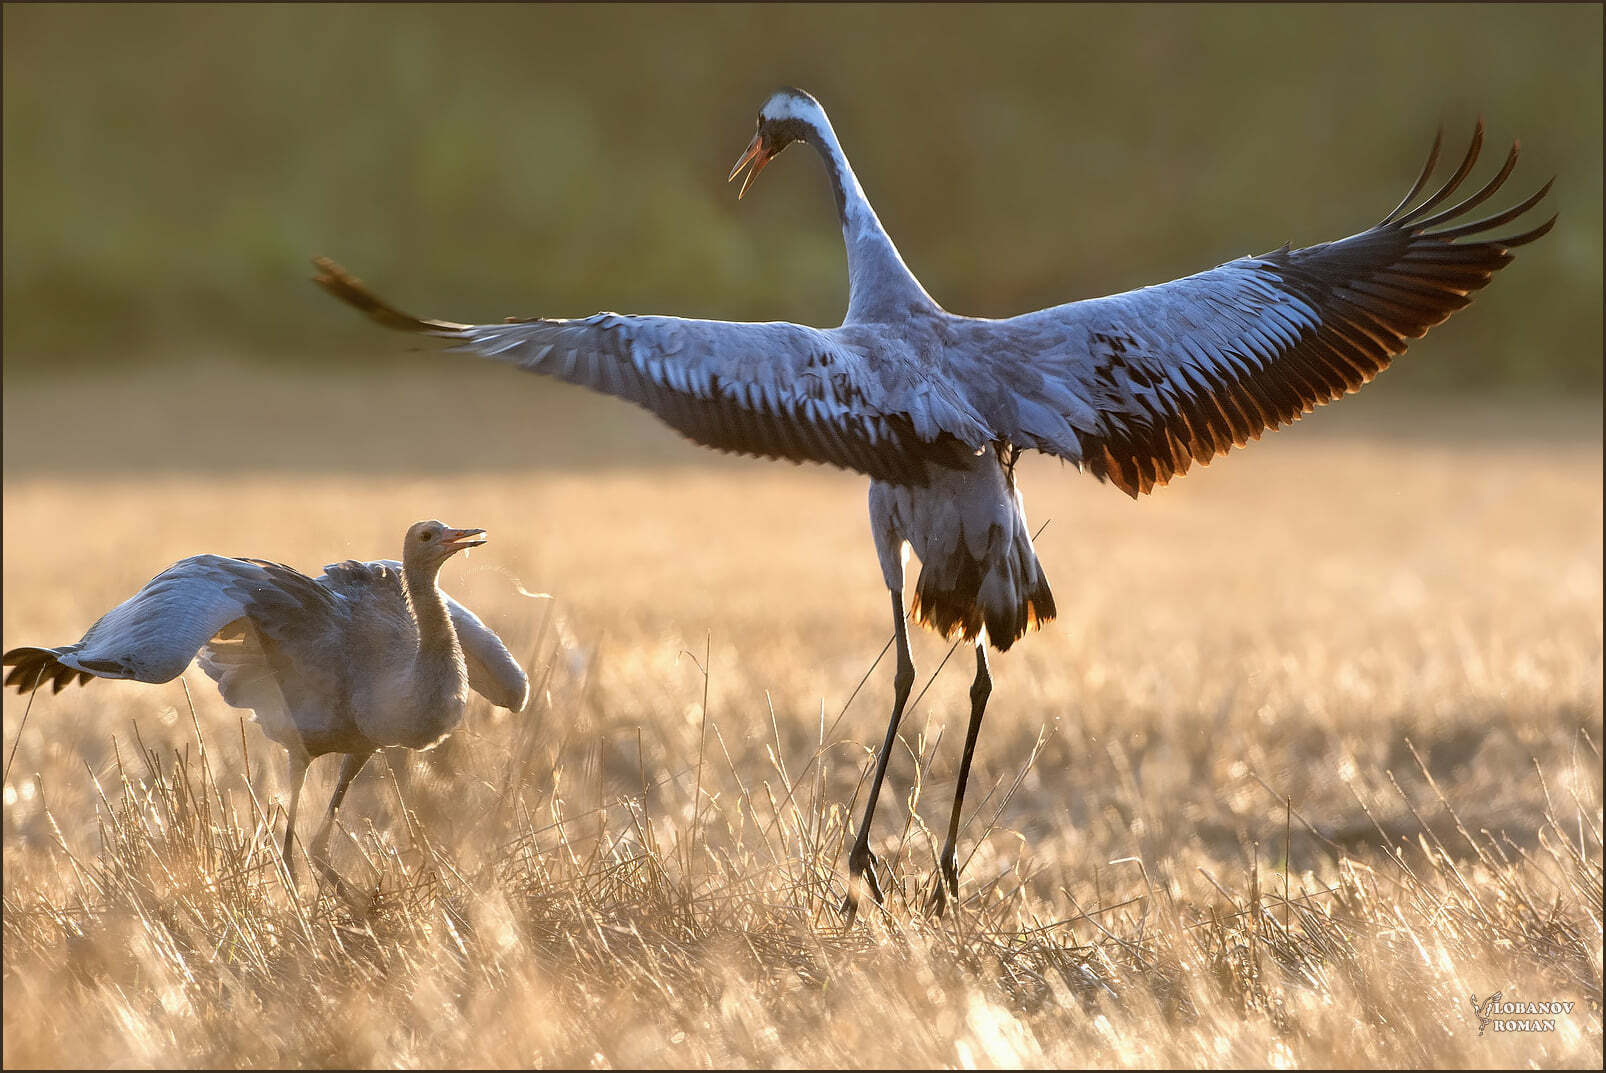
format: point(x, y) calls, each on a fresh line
point(298, 778)
point(980, 690)
point(348, 770)
point(861, 862)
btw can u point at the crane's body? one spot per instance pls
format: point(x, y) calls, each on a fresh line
point(935, 407)
point(365, 656)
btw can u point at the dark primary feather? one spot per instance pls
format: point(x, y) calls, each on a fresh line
point(1138, 386)
point(32, 667)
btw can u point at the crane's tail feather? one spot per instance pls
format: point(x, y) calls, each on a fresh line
point(351, 290)
point(32, 667)
point(957, 613)
point(966, 594)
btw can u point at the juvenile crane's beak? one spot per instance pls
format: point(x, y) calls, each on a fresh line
point(758, 154)
point(458, 539)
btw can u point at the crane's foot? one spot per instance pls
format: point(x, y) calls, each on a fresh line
point(861, 870)
point(361, 904)
point(947, 886)
point(318, 852)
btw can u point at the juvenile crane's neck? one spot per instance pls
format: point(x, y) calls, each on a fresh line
point(880, 286)
point(440, 658)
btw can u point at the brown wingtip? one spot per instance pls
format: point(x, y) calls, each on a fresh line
point(351, 290)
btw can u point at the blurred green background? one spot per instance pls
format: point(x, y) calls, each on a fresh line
point(169, 170)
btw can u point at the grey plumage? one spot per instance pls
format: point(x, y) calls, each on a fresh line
point(935, 407)
point(198, 604)
point(1133, 388)
point(365, 655)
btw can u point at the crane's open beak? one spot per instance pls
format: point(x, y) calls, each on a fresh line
point(457, 539)
point(758, 154)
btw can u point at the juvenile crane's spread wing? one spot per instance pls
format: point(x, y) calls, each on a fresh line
point(272, 638)
point(1137, 386)
point(776, 390)
point(154, 634)
point(493, 673)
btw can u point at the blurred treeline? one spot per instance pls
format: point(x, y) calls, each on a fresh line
point(168, 170)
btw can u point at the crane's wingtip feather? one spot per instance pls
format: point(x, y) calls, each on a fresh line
point(349, 289)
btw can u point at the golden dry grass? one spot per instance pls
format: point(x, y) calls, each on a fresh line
point(1398, 637)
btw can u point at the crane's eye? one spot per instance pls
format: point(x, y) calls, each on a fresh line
point(426, 536)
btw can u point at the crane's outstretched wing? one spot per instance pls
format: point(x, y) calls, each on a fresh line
point(776, 390)
point(153, 635)
point(1137, 386)
point(493, 673)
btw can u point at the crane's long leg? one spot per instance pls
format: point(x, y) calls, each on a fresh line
point(861, 862)
point(980, 690)
point(348, 770)
point(298, 778)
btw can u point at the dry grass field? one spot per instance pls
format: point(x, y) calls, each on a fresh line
point(1310, 758)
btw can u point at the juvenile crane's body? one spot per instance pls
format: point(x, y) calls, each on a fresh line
point(935, 407)
point(367, 655)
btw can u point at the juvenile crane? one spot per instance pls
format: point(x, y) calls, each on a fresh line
point(935, 407)
point(365, 655)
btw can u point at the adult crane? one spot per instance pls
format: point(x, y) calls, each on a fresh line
point(935, 407)
point(368, 654)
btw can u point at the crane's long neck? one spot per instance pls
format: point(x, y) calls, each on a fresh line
point(880, 285)
point(440, 658)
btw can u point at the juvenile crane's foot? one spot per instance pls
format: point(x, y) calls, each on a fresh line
point(861, 869)
point(358, 902)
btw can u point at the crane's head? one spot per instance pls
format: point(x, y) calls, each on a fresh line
point(790, 115)
point(431, 543)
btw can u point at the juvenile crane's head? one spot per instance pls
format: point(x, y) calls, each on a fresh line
point(431, 543)
point(790, 115)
